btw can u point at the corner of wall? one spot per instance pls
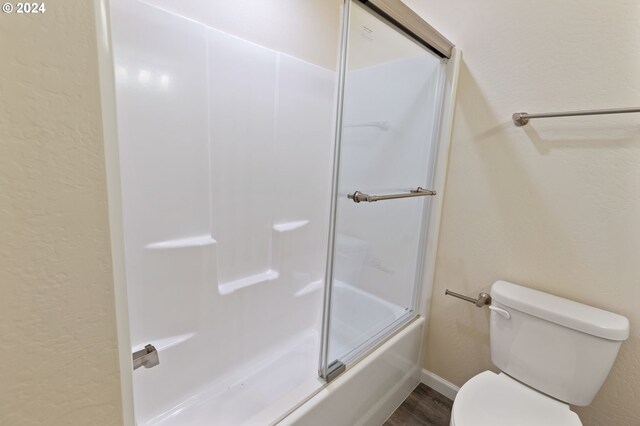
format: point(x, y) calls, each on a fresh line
point(440, 178)
point(114, 196)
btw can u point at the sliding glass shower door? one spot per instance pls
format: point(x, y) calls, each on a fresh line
point(391, 98)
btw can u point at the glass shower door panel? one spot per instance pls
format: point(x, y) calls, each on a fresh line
point(389, 120)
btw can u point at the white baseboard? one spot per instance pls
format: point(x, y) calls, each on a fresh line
point(439, 384)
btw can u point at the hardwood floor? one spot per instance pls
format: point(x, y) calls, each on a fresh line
point(424, 407)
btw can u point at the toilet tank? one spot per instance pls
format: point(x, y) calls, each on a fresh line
point(557, 346)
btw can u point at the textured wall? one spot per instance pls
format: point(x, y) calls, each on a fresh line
point(555, 205)
point(58, 362)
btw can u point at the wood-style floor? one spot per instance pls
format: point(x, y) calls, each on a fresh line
point(424, 407)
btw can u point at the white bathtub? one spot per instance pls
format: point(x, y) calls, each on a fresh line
point(370, 390)
point(357, 316)
point(368, 393)
point(286, 376)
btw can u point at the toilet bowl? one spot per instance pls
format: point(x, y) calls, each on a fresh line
point(551, 351)
point(491, 399)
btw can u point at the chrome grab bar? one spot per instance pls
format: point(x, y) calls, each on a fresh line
point(359, 197)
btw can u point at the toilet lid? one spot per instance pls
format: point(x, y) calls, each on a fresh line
point(490, 399)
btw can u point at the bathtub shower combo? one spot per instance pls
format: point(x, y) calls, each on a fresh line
point(275, 207)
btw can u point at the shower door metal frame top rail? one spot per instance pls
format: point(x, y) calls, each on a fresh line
point(397, 15)
point(404, 18)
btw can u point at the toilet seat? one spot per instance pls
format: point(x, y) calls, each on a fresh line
point(491, 399)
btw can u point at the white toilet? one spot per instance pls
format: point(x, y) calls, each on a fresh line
point(552, 352)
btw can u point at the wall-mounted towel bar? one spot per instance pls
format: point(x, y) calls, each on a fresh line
point(522, 118)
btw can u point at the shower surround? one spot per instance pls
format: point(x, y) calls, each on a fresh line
point(226, 157)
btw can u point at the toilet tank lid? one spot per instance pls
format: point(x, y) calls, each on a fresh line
point(565, 312)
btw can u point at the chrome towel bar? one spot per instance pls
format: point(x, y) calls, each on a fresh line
point(522, 118)
point(482, 300)
point(359, 197)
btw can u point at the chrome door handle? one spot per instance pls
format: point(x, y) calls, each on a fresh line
point(359, 197)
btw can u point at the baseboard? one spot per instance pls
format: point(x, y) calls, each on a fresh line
point(439, 384)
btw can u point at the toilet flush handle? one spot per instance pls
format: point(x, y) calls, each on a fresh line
point(502, 312)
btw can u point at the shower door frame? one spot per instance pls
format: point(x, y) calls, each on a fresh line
point(398, 16)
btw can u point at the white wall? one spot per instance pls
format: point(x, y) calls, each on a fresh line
point(554, 205)
point(307, 29)
point(59, 357)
